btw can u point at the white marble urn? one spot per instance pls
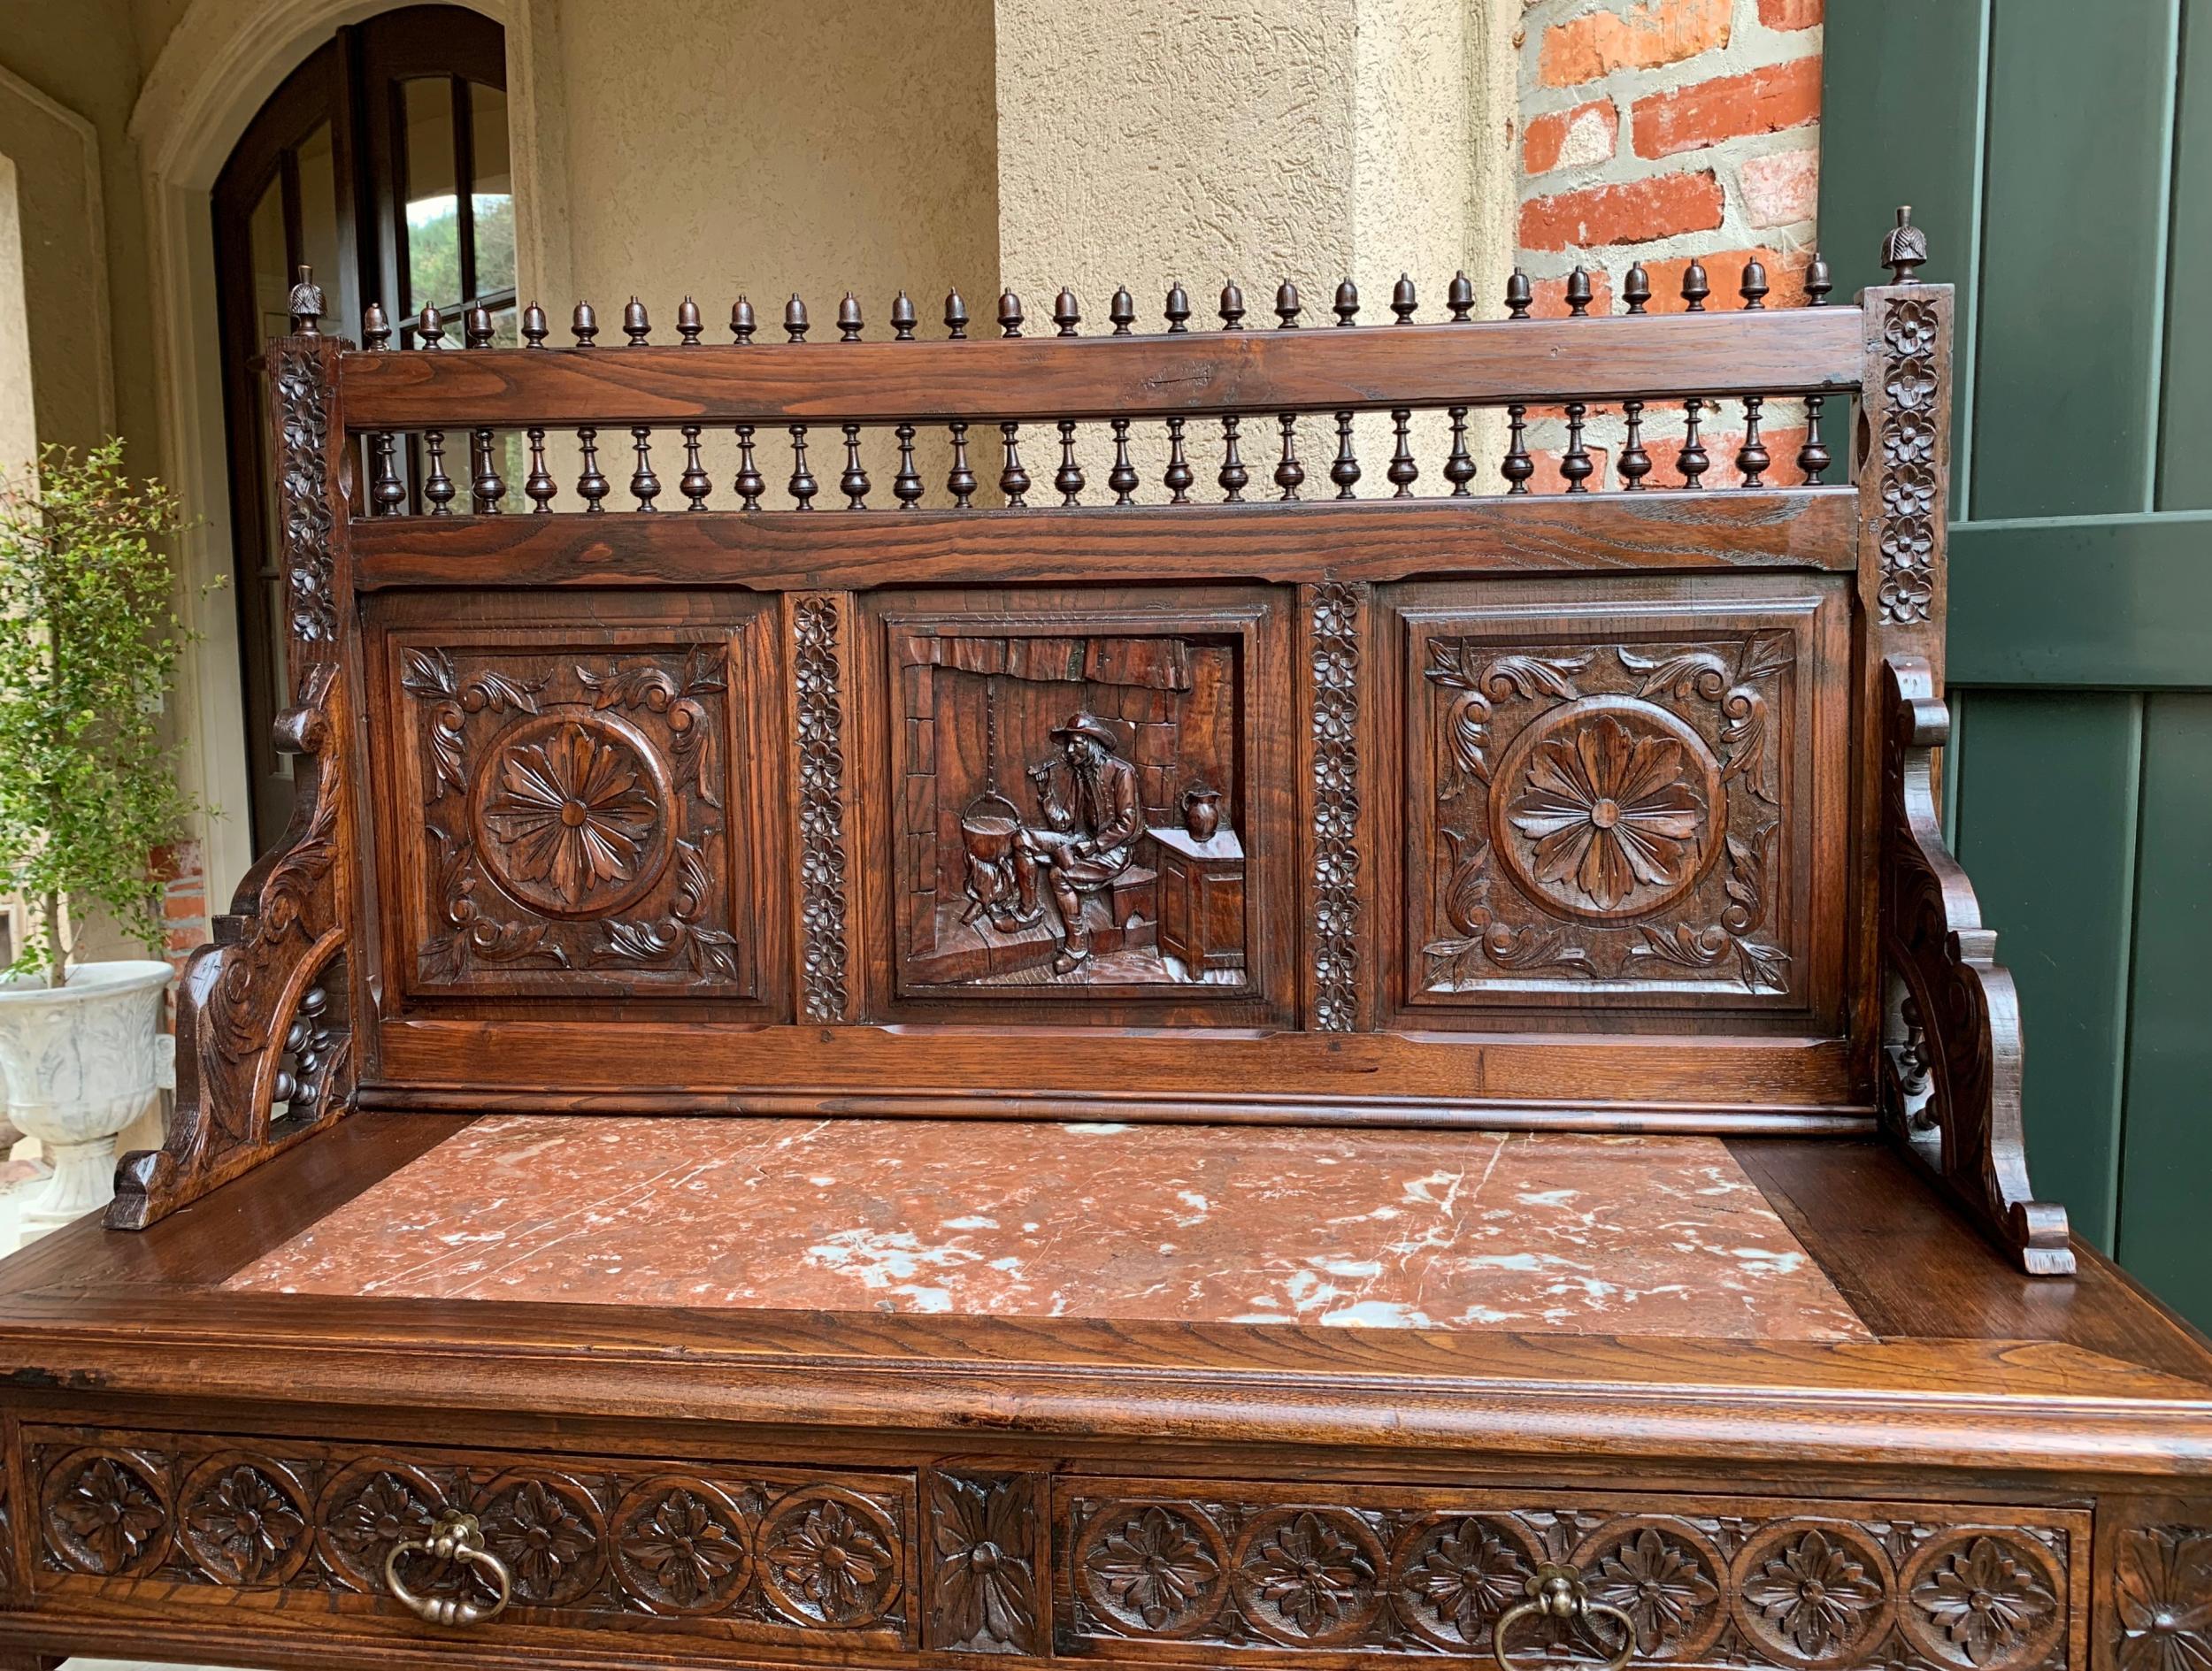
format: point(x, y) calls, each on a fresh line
point(82, 1062)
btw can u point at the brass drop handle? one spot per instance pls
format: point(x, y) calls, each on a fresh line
point(1559, 1593)
point(455, 1537)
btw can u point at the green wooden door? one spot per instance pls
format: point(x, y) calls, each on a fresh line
point(2060, 157)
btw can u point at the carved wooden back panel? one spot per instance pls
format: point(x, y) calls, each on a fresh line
point(687, 766)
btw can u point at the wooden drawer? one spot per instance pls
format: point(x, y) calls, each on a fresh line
point(877, 1565)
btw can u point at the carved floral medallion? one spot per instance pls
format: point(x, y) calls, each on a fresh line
point(681, 1545)
point(1458, 1573)
point(1308, 1575)
point(829, 1560)
point(572, 805)
point(1606, 814)
point(1665, 1575)
point(2162, 1593)
point(1154, 1567)
point(244, 1522)
point(105, 1515)
point(1981, 1601)
point(366, 1509)
point(1816, 1593)
point(547, 1530)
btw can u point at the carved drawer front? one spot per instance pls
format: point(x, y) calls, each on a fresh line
point(1633, 802)
point(577, 806)
point(1088, 801)
point(1147, 1571)
point(766, 1556)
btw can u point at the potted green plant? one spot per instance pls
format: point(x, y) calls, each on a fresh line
point(88, 646)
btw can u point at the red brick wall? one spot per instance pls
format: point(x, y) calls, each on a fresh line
point(1664, 131)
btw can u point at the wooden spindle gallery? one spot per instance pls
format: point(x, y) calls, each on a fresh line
point(1336, 1031)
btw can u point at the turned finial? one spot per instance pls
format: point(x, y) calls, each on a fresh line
point(429, 327)
point(376, 329)
point(1231, 306)
point(1818, 282)
point(1346, 307)
point(848, 319)
point(1009, 314)
point(1904, 249)
point(902, 320)
point(688, 322)
point(636, 325)
point(476, 327)
point(1460, 296)
point(584, 326)
point(955, 316)
point(1695, 287)
point(1066, 314)
point(742, 321)
point(1122, 310)
point(1636, 287)
point(1579, 294)
point(535, 328)
point(1518, 295)
point(1177, 308)
point(794, 323)
point(1286, 306)
point(305, 304)
point(1401, 301)
point(1754, 287)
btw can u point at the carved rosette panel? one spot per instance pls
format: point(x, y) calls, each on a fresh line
point(1614, 814)
point(1910, 459)
point(983, 1562)
point(1748, 1583)
point(2162, 1592)
point(1334, 936)
point(572, 805)
point(777, 1557)
point(819, 721)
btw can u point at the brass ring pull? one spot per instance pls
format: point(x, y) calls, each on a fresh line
point(456, 1537)
point(1558, 1592)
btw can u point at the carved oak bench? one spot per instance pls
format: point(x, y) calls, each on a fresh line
point(1356, 1071)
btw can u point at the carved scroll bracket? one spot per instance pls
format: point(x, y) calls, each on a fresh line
point(1952, 1055)
point(263, 1016)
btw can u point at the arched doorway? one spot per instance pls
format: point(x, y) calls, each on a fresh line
point(382, 162)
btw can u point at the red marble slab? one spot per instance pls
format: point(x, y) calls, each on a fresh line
point(1599, 1235)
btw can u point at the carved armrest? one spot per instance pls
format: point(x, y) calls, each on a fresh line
point(264, 1035)
point(1951, 1057)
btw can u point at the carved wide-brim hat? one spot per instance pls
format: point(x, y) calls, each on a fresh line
point(1088, 725)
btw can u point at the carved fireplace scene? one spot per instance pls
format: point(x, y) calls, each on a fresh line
point(1072, 810)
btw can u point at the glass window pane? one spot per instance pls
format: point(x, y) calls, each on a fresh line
point(318, 214)
point(492, 190)
point(433, 229)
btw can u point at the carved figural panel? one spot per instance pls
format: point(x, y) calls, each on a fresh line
point(1074, 802)
point(1619, 807)
point(1806, 1586)
point(767, 1555)
point(566, 811)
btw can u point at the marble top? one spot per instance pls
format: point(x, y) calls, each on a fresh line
point(1440, 1230)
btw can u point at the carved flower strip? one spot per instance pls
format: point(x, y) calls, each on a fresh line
point(1984, 1602)
point(1610, 810)
point(1153, 1568)
point(572, 811)
point(2162, 1593)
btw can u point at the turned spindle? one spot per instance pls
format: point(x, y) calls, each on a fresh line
point(795, 320)
point(1752, 459)
point(1233, 475)
point(1635, 462)
point(750, 483)
point(1579, 294)
point(694, 483)
point(1346, 307)
point(636, 325)
point(1404, 472)
point(1518, 294)
point(688, 323)
point(1518, 466)
point(1121, 312)
point(1123, 477)
point(1065, 314)
point(1069, 478)
point(1576, 463)
point(1177, 309)
point(1290, 475)
point(802, 487)
point(1231, 306)
point(387, 492)
point(1636, 288)
point(903, 318)
point(645, 486)
point(1459, 468)
point(591, 486)
point(848, 319)
point(1692, 460)
point(1812, 457)
point(1345, 471)
point(1287, 306)
point(583, 325)
point(853, 483)
point(1009, 314)
point(1752, 289)
point(538, 486)
point(1013, 481)
point(437, 486)
point(955, 317)
point(485, 488)
point(1179, 476)
point(906, 487)
point(960, 481)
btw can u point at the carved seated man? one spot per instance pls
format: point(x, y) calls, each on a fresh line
point(1088, 796)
